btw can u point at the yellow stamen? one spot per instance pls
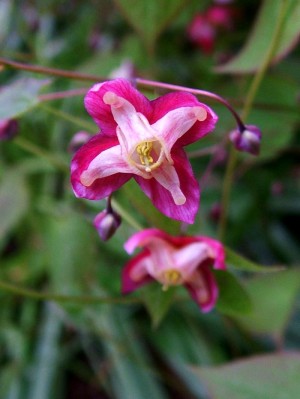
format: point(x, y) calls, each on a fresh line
point(171, 277)
point(144, 151)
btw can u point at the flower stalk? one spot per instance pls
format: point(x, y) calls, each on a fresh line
point(232, 161)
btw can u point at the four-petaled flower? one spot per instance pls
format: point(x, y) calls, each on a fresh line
point(142, 139)
point(175, 261)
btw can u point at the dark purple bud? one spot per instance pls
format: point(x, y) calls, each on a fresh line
point(247, 140)
point(8, 129)
point(106, 223)
point(78, 140)
point(215, 212)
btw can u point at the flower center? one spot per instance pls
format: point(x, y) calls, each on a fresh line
point(144, 151)
point(147, 155)
point(170, 277)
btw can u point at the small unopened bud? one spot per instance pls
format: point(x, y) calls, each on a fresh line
point(78, 140)
point(247, 140)
point(8, 129)
point(106, 223)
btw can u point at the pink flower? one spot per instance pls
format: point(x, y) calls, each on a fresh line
point(202, 32)
point(175, 261)
point(142, 139)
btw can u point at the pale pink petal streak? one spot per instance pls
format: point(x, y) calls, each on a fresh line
point(107, 163)
point(101, 112)
point(135, 273)
point(100, 188)
point(163, 199)
point(171, 101)
point(189, 257)
point(203, 289)
point(142, 238)
point(177, 122)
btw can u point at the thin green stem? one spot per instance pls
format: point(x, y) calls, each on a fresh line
point(70, 118)
point(125, 215)
point(79, 299)
point(255, 84)
point(41, 153)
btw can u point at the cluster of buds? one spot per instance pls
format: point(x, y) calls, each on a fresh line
point(204, 27)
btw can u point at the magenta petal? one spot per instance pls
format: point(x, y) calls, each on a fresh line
point(101, 112)
point(171, 101)
point(141, 238)
point(101, 188)
point(205, 296)
point(162, 198)
point(219, 252)
point(128, 284)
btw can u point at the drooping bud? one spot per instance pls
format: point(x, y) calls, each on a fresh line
point(106, 223)
point(247, 140)
point(8, 129)
point(78, 140)
point(125, 70)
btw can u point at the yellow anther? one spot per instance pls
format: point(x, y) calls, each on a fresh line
point(171, 277)
point(144, 151)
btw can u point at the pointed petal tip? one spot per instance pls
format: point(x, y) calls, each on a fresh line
point(200, 113)
point(85, 179)
point(111, 98)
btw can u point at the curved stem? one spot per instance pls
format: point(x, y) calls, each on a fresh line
point(125, 215)
point(229, 173)
point(198, 92)
point(138, 81)
point(26, 292)
point(49, 71)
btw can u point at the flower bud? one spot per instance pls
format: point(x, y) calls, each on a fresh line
point(247, 140)
point(8, 129)
point(106, 223)
point(78, 140)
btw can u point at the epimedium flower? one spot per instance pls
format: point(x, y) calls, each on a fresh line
point(142, 139)
point(175, 261)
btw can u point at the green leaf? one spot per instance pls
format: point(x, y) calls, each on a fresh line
point(70, 245)
point(273, 297)
point(273, 376)
point(253, 53)
point(14, 200)
point(239, 262)
point(20, 97)
point(150, 18)
point(279, 120)
point(158, 302)
point(233, 298)
point(130, 374)
point(46, 367)
point(143, 206)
